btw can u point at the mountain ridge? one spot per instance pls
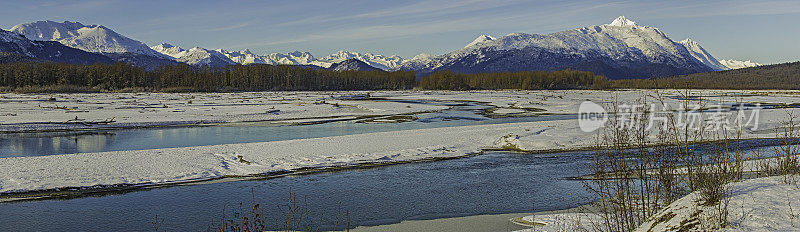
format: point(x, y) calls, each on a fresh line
point(700, 53)
point(352, 64)
point(11, 42)
point(90, 38)
point(608, 49)
point(194, 56)
point(736, 64)
point(612, 49)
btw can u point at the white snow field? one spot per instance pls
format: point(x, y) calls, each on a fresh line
point(176, 165)
point(34, 112)
point(761, 204)
point(562, 222)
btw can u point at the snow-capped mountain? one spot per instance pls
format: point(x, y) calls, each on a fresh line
point(379, 61)
point(202, 56)
point(699, 53)
point(244, 57)
point(100, 39)
point(621, 21)
point(194, 56)
point(169, 50)
point(91, 38)
point(17, 45)
point(419, 62)
point(305, 58)
point(352, 65)
point(480, 40)
point(735, 64)
point(620, 49)
point(292, 58)
point(706, 58)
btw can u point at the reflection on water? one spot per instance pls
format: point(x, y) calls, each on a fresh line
point(27, 144)
point(487, 184)
point(53, 143)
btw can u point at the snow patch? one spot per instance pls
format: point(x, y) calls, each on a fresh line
point(699, 53)
point(735, 64)
point(91, 38)
point(622, 21)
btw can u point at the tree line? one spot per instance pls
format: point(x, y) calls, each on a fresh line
point(55, 77)
point(25, 74)
point(527, 80)
point(777, 76)
point(259, 77)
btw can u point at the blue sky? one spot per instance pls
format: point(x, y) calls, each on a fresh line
point(763, 31)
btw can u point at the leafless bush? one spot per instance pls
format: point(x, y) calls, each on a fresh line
point(786, 161)
point(241, 218)
point(157, 223)
point(621, 167)
point(634, 179)
point(250, 218)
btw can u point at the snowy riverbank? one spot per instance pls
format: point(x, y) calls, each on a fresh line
point(40, 112)
point(177, 165)
point(760, 204)
point(37, 112)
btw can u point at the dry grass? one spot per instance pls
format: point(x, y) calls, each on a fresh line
point(251, 217)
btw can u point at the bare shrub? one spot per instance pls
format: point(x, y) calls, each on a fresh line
point(241, 218)
point(621, 166)
point(633, 179)
point(786, 160)
point(250, 218)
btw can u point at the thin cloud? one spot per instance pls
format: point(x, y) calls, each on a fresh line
point(424, 9)
point(471, 22)
point(422, 24)
point(720, 8)
point(231, 27)
point(373, 32)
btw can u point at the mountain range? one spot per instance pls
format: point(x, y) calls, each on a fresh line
point(620, 49)
point(15, 47)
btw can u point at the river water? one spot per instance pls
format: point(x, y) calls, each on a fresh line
point(53, 143)
point(493, 183)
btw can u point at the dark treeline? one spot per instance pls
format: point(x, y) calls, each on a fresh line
point(778, 76)
point(120, 76)
point(54, 77)
point(529, 80)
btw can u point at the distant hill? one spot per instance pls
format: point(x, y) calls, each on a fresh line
point(8, 57)
point(352, 64)
point(141, 60)
point(776, 76)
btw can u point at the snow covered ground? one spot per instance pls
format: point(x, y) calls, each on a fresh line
point(570, 221)
point(761, 204)
point(31, 112)
point(176, 165)
point(36, 112)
